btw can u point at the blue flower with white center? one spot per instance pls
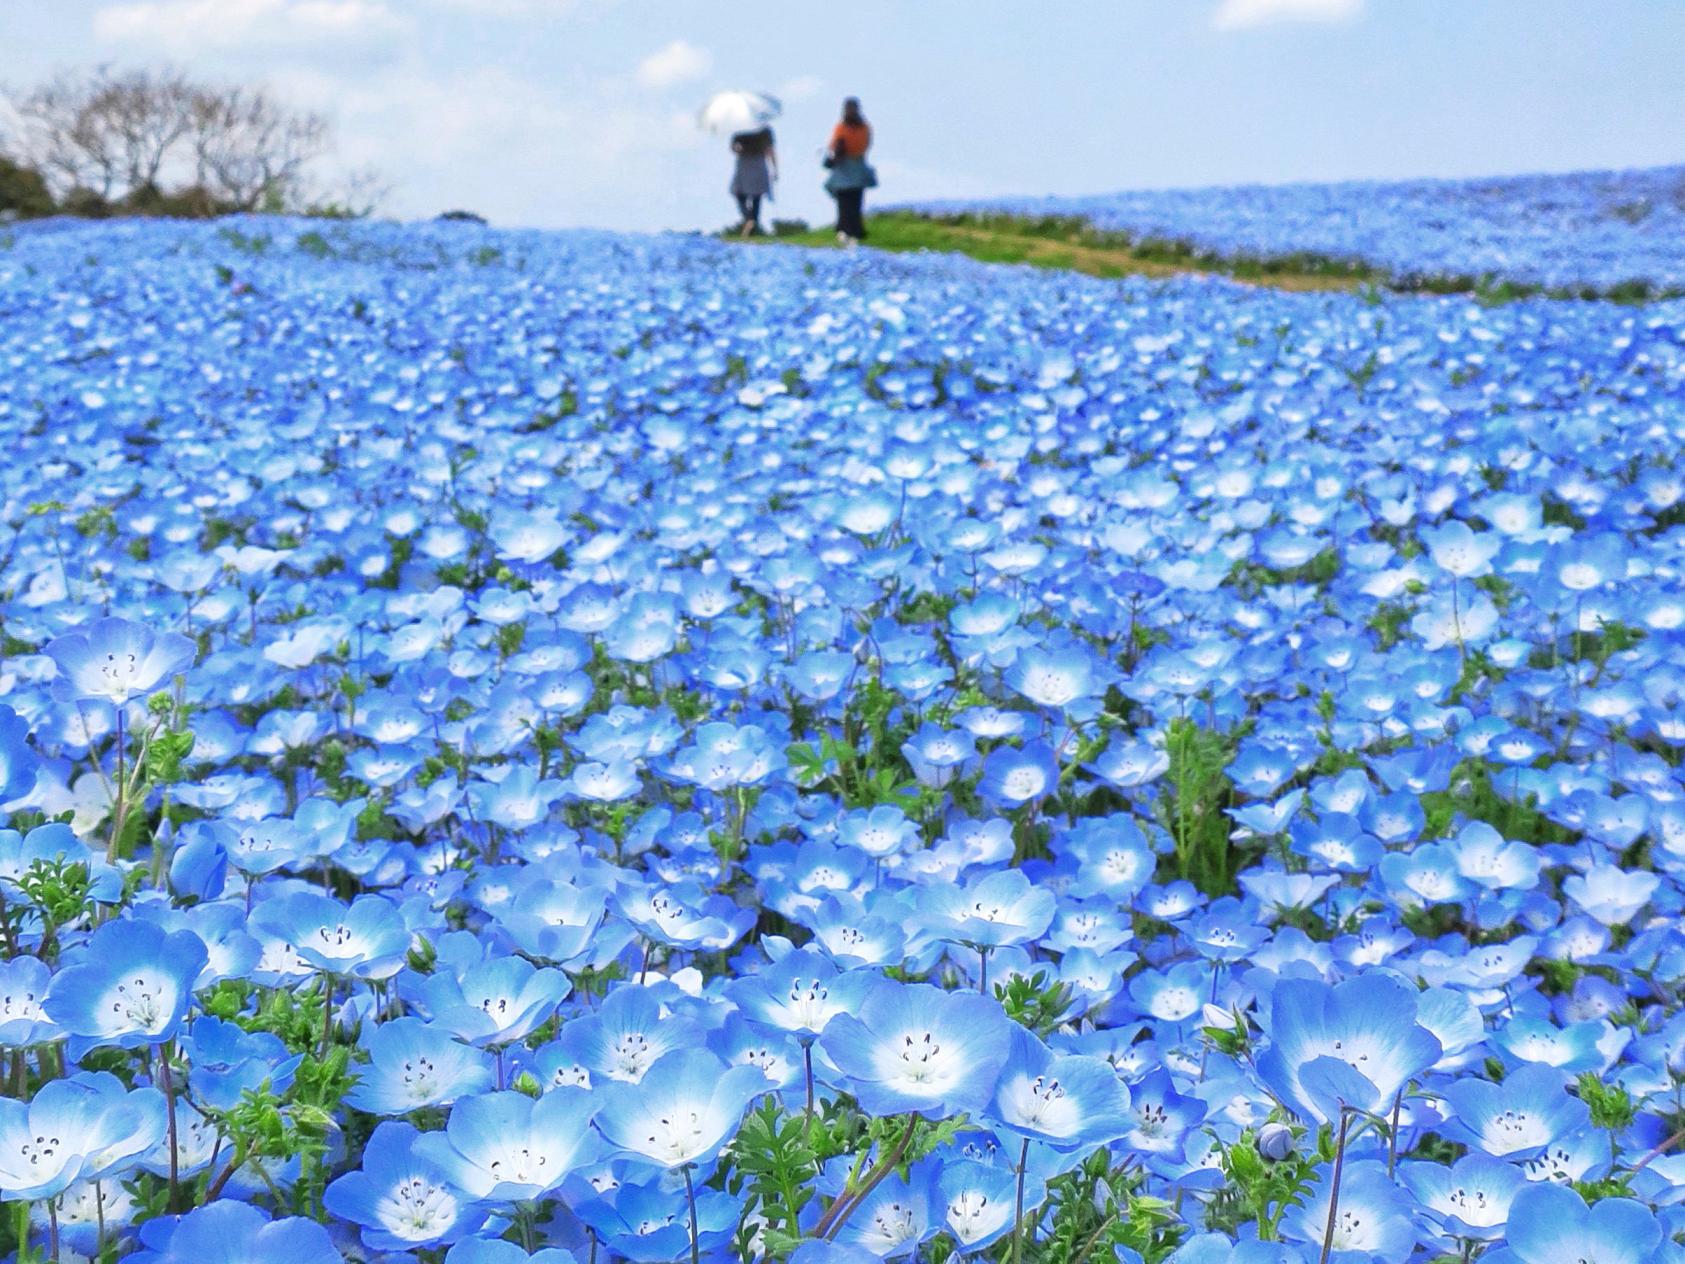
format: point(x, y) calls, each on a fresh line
point(506, 1147)
point(852, 936)
point(1063, 678)
point(367, 939)
point(18, 763)
point(1470, 1199)
point(555, 921)
point(497, 1251)
point(684, 1109)
point(227, 1061)
point(400, 1199)
point(878, 832)
point(1068, 1101)
point(492, 1003)
point(648, 1220)
point(1371, 1216)
point(1013, 777)
point(1364, 1031)
point(258, 847)
point(1160, 1118)
point(978, 1201)
point(1516, 1119)
point(938, 755)
point(1175, 995)
point(800, 993)
point(116, 660)
point(130, 985)
point(228, 1232)
point(1552, 1225)
point(1612, 895)
point(87, 1128)
point(413, 1065)
point(23, 988)
point(913, 1047)
point(1574, 1048)
point(896, 1217)
point(625, 1036)
point(995, 911)
point(683, 915)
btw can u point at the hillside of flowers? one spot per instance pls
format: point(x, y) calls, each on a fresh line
point(1587, 232)
point(577, 748)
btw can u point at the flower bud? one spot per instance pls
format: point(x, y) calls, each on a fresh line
point(1275, 1141)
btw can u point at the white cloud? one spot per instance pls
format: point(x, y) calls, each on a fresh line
point(183, 27)
point(679, 62)
point(1234, 15)
point(801, 88)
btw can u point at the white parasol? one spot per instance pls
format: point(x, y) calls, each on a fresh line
point(738, 111)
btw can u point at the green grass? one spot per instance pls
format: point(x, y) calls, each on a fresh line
point(1070, 244)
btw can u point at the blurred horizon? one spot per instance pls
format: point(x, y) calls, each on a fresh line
point(580, 113)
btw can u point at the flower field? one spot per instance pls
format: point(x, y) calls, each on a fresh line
point(1584, 232)
point(585, 748)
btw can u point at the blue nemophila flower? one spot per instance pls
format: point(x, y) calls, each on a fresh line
point(497, 1251)
point(821, 1251)
point(1214, 1248)
point(682, 1111)
point(1160, 1118)
point(1363, 1031)
point(71, 1130)
point(1068, 1101)
point(1574, 1047)
point(23, 989)
point(18, 764)
point(115, 660)
point(1516, 1119)
point(367, 939)
point(1371, 1218)
point(913, 1047)
point(228, 1232)
point(978, 1201)
point(683, 915)
point(649, 1220)
point(800, 993)
point(130, 985)
point(1064, 678)
point(506, 1147)
point(401, 1200)
point(625, 1036)
point(492, 1002)
point(413, 1065)
point(227, 1061)
point(878, 832)
point(1469, 1199)
point(1549, 1225)
point(1013, 777)
point(995, 911)
point(896, 1217)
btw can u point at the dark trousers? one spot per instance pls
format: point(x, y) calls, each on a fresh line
point(750, 209)
point(851, 219)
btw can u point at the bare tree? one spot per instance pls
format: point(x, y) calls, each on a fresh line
point(250, 151)
point(120, 136)
point(148, 114)
point(64, 138)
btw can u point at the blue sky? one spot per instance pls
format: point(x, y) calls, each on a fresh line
point(564, 112)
